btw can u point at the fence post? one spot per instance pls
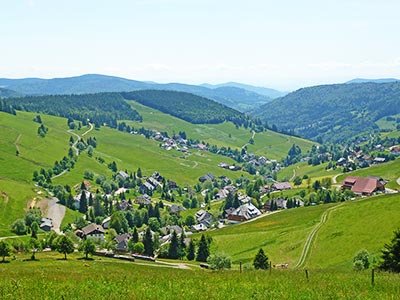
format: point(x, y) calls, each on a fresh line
point(270, 267)
point(373, 277)
point(240, 267)
point(307, 274)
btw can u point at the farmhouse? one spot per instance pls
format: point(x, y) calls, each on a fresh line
point(143, 199)
point(363, 185)
point(93, 231)
point(281, 186)
point(208, 176)
point(122, 241)
point(106, 223)
point(46, 224)
point(244, 212)
point(146, 188)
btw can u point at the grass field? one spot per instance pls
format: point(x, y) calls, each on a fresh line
point(362, 224)
point(388, 171)
point(270, 144)
point(51, 278)
point(303, 168)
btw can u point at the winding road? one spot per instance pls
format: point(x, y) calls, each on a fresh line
point(310, 238)
point(78, 137)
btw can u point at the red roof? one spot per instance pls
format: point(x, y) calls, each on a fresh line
point(362, 185)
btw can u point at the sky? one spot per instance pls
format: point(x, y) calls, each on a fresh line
point(280, 44)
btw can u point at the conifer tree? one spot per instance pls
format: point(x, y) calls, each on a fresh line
point(203, 251)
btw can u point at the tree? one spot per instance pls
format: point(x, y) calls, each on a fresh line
point(219, 262)
point(87, 246)
point(203, 251)
point(191, 251)
point(260, 260)
point(361, 260)
point(135, 235)
point(154, 224)
point(190, 220)
point(19, 227)
point(33, 215)
point(4, 250)
point(173, 249)
point(65, 245)
point(148, 243)
point(297, 180)
point(35, 246)
point(138, 248)
point(118, 222)
point(391, 254)
point(34, 229)
point(83, 205)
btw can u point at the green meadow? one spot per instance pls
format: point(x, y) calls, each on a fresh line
point(103, 278)
point(269, 144)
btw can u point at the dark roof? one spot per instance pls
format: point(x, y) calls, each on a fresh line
point(92, 228)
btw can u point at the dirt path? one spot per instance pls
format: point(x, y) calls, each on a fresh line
point(56, 212)
point(294, 175)
point(252, 136)
point(78, 137)
point(17, 141)
point(310, 238)
point(334, 178)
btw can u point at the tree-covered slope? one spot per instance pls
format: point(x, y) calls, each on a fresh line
point(233, 96)
point(4, 93)
point(333, 112)
point(103, 108)
point(188, 107)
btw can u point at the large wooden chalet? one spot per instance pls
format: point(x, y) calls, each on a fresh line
point(363, 185)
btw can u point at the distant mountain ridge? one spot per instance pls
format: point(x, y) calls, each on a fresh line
point(268, 92)
point(335, 112)
point(364, 80)
point(5, 93)
point(232, 96)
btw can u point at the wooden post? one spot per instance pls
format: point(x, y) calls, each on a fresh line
point(307, 274)
point(373, 277)
point(240, 267)
point(270, 267)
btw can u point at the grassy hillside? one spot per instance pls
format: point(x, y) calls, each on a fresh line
point(363, 224)
point(333, 112)
point(389, 171)
point(186, 106)
point(105, 278)
point(303, 168)
point(270, 144)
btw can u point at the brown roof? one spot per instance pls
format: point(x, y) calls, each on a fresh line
point(363, 185)
point(92, 228)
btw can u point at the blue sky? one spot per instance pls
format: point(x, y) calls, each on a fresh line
point(281, 44)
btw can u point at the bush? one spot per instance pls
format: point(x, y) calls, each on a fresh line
point(361, 260)
point(219, 262)
point(19, 227)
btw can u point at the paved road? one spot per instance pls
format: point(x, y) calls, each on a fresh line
point(56, 212)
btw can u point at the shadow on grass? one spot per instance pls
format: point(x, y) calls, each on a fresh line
point(85, 259)
point(30, 259)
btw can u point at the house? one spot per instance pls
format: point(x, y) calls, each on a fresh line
point(124, 205)
point(280, 203)
point(341, 161)
point(106, 223)
point(146, 188)
point(93, 231)
point(199, 227)
point(235, 168)
point(262, 160)
point(87, 184)
point(281, 186)
point(244, 199)
point(395, 150)
point(123, 174)
point(171, 228)
point(46, 224)
point(379, 160)
point(223, 165)
point(264, 189)
point(243, 213)
point(153, 182)
point(228, 211)
point(122, 242)
point(208, 176)
point(222, 194)
point(176, 209)
point(172, 185)
point(143, 199)
point(203, 217)
point(362, 185)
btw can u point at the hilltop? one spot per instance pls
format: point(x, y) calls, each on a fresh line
point(239, 97)
point(333, 112)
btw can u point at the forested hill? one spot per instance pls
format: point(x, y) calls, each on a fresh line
point(103, 108)
point(189, 107)
point(333, 112)
point(235, 97)
point(4, 93)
